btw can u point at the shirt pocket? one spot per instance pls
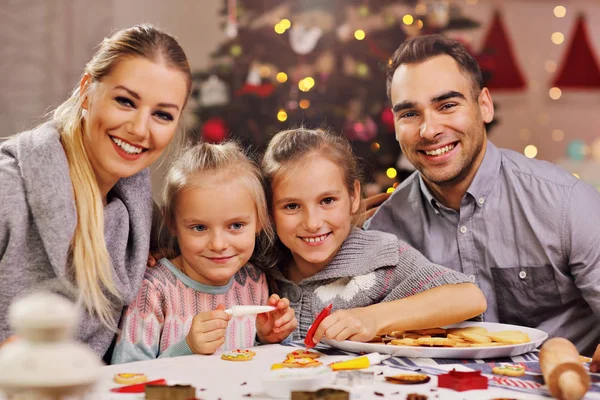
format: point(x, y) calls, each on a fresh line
point(526, 295)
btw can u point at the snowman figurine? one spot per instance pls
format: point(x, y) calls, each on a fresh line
point(45, 363)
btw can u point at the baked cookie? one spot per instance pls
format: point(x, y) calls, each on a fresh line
point(509, 369)
point(130, 379)
point(304, 362)
point(303, 354)
point(408, 379)
point(238, 355)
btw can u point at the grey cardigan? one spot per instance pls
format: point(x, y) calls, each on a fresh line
point(37, 222)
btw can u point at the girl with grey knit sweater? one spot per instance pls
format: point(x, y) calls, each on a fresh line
point(376, 282)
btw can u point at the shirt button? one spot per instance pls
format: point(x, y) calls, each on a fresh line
point(295, 294)
point(463, 229)
point(472, 278)
point(481, 200)
point(522, 274)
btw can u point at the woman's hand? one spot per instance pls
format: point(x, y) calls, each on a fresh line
point(207, 332)
point(275, 326)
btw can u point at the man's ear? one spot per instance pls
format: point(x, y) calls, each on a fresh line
point(486, 105)
point(84, 84)
point(355, 197)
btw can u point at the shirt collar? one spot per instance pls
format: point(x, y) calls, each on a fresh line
point(486, 175)
point(482, 183)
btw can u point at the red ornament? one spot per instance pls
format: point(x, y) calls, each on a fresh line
point(365, 130)
point(214, 130)
point(387, 119)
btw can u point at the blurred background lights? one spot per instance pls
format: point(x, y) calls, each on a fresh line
point(557, 38)
point(550, 66)
point(560, 11)
point(281, 115)
point(525, 134)
point(375, 146)
point(530, 151)
point(279, 28)
point(390, 190)
point(408, 19)
point(555, 93)
point(285, 23)
point(282, 77)
point(558, 135)
point(359, 34)
point(391, 173)
point(304, 104)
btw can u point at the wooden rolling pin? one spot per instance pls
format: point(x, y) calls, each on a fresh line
point(563, 371)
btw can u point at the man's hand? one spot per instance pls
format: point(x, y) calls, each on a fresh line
point(595, 365)
point(275, 326)
point(372, 203)
point(207, 332)
point(357, 324)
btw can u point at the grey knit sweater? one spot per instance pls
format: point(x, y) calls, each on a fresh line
point(371, 267)
point(37, 222)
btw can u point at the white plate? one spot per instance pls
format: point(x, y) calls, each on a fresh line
point(536, 336)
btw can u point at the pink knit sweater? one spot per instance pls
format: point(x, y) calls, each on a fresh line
point(156, 323)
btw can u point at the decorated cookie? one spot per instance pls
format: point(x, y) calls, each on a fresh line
point(303, 362)
point(238, 355)
point(130, 379)
point(509, 369)
point(303, 354)
point(408, 379)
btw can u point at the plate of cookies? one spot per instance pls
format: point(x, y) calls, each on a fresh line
point(470, 340)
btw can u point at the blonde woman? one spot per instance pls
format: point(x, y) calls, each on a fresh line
point(75, 205)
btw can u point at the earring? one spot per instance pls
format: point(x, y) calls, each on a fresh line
point(84, 113)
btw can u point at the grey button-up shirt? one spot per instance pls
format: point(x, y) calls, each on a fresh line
point(528, 233)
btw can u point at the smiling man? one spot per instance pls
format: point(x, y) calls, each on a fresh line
point(524, 230)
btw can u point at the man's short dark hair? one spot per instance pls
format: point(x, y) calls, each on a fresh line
point(421, 48)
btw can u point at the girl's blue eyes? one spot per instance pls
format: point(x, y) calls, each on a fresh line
point(235, 226)
point(124, 101)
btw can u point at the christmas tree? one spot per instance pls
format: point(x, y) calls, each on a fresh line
point(316, 63)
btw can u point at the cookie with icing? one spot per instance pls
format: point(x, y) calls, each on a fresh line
point(238, 355)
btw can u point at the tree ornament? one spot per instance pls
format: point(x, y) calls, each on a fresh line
point(214, 130)
point(387, 119)
point(213, 92)
point(438, 13)
point(303, 40)
point(231, 27)
point(364, 130)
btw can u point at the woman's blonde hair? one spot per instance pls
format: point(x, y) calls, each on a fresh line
point(203, 162)
point(90, 259)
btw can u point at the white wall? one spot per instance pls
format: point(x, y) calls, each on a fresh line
point(530, 24)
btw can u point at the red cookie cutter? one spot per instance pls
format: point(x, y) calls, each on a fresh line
point(461, 381)
point(138, 387)
point(308, 340)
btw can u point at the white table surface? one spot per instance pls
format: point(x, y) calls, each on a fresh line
point(225, 379)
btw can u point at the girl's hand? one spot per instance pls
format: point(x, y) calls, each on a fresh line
point(357, 324)
point(207, 332)
point(595, 365)
point(275, 326)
